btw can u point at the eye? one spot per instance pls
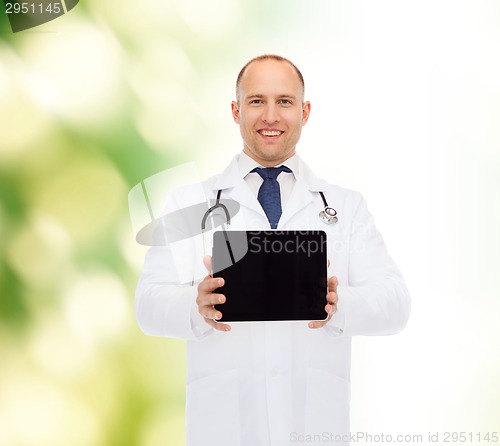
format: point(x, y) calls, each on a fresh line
point(285, 102)
point(256, 101)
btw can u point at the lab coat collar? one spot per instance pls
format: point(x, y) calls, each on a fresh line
point(231, 177)
point(302, 193)
point(238, 190)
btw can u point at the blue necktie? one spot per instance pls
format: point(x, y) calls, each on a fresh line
point(269, 193)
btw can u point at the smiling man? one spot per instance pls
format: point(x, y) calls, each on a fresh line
point(270, 109)
point(273, 383)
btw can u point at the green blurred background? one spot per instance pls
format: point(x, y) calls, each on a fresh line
point(116, 91)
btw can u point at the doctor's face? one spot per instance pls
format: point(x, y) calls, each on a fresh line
point(270, 111)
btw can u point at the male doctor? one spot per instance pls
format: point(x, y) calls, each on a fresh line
point(272, 383)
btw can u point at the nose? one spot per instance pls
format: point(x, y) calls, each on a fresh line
point(270, 114)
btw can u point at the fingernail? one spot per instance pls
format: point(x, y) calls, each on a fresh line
point(221, 299)
point(227, 328)
point(219, 282)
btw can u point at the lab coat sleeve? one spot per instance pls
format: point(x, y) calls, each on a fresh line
point(375, 301)
point(163, 306)
point(165, 298)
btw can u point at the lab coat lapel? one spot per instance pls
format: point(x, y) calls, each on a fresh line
point(243, 195)
point(303, 193)
point(232, 184)
point(299, 198)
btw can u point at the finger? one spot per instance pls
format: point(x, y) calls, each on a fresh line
point(331, 309)
point(208, 285)
point(210, 299)
point(332, 298)
point(333, 283)
point(317, 324)
point(213, 321)
point(210, 313)
point(207, 261)
point(328, 263)
point(219, 325)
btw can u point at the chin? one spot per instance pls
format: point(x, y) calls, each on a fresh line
point(269, 155)
point(273, 157)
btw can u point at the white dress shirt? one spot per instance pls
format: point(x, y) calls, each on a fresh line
point(254, 180)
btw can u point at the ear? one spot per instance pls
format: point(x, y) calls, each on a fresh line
point(306, 110)
point(235, 109)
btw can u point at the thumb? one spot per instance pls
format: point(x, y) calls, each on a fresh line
point(207, 261)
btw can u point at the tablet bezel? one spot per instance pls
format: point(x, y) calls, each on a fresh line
point(315, 261)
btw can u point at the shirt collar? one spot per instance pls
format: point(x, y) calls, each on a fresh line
point(232, 175)
point(247, 164)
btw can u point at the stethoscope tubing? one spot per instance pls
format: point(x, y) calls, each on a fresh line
point(328, 215)
point(217, 205)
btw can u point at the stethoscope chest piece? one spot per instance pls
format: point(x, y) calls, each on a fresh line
point(328, 216)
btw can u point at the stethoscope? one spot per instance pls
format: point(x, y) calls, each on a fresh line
point(328, 215)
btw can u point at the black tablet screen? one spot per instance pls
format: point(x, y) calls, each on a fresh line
point(271, 275)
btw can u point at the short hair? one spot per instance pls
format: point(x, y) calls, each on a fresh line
point(268, 57)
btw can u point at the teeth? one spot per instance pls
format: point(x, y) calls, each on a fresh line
point(270, 132)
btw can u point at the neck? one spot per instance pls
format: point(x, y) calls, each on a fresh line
point(267, 162)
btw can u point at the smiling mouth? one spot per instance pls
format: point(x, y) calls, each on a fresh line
point(270, 133)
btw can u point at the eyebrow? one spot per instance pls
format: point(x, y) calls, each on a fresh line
point(281, 96)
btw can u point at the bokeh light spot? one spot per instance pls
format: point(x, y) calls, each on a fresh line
point(84, 196)
point(81, 72)
point(97, 309)
point(161, 427)
point(38, 412)
point(39, 251)
point(57, 350)
point(22, 122)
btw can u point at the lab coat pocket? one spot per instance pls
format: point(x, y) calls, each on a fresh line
point(327, 405)
point(212, 410)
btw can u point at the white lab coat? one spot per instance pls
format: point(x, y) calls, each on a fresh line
point(272, 383)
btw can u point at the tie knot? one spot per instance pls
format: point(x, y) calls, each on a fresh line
point(271, 172)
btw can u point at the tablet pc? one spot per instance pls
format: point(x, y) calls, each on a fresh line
point(271, 275)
